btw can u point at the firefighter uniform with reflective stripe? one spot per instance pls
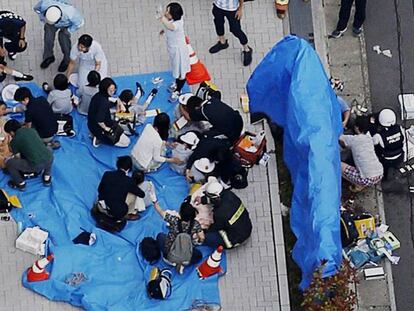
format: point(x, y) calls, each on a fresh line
point(231, 220)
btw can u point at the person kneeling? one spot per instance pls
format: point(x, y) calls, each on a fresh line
point(117, 192)
point(30, 155)
point(184, 233)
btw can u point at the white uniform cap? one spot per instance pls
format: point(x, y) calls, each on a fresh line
point(214, 189)
point(204, 165)
point(183, 99)
point(53, 14)
point(387, 117)
point(190, 138)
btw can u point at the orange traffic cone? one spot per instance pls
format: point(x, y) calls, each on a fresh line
point(199, 72)
point(281, 8)
point(211, 265)
point(37, 272)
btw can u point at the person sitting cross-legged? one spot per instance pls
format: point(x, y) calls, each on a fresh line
point(30, 155)
point(117, 192)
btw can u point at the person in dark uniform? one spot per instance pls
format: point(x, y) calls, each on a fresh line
point(389, 141)
point(12, 28)
point(38, 115)
point(224, 119)
point(232, 225)
point(114, 190)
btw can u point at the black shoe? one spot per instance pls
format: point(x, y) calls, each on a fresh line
point(356, 31)
point(47, 180)
point(139, 88)
point(337, 33)
point(13, 185)
point(247, 57)
point(46, 87)
point(46, 62)
point(13, 56)
point(218, 47)
point(24, 78)
point(63, 66)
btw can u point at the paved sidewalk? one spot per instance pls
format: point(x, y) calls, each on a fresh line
point(256, 278)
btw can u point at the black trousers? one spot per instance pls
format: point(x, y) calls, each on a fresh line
point(234, 23)
point(345, 12)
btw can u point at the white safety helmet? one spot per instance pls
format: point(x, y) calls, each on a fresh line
point(204, 165)
point(53, 15)
point(214, 189)
point(387, 117)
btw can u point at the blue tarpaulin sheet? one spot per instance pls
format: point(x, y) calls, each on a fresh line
point(115, 274)
point(291, 87)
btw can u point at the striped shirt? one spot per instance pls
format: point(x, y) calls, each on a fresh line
point(227, 5)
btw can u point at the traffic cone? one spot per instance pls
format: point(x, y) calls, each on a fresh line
point(37, 272)
point(199, 72)
point(211, 265)
point(281, 8)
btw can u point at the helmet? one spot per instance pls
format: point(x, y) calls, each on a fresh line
point(214, 189)
point(204, 165)
point(183, 99)
point(53, 14)
point(387, 117)
point(190, 138)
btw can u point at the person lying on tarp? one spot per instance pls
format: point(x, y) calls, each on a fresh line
point(100, 124)
point(232, 225)
point(30, 155)
point(117, 192)
point(223, 119)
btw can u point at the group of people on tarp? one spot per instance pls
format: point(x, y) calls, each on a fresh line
point(376, 144)
point(201, 150)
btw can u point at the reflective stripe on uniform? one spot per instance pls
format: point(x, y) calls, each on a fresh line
point(237, 214)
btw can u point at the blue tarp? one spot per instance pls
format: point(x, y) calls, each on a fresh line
point(291, 87)
point(115, 273)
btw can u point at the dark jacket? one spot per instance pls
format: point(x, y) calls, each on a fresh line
point(41, 116)
point(207, 148)
point(224, 119)
point(99, 111)
point(114, 188)
point(231, 216)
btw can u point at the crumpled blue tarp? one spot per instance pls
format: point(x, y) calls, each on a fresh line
point(291, 87)
point(114, 273)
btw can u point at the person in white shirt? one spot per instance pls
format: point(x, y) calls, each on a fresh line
point(87, 91)
point(148, 154)
point(90, 56)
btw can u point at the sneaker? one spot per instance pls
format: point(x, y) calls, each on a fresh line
point(172, 87)
point(13, 56)
point(247, 57)
point(54, 144)
point(47, 180)
point(46, 87)
point(46, 62)
point(174, 97)
point(139, 88)
point(218, 47)
point(63, 66)
point(13, 185)
point(337, 33)
point(95, 142)
point(356, 31)
point(24, 78)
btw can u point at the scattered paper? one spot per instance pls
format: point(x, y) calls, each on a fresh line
point(377, 49)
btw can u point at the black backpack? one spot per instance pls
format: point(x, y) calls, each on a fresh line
point(349, 232)
point(150, 250)
point(5, 205)
point(207, 90)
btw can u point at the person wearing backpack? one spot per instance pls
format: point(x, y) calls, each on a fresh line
point(177, 246)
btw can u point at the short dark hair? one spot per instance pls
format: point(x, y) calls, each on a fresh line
point(94, 78)
point(12, 126)
point(222, 154)
point(60, 82)
point(124, 163)
point(85, 40)
point(104, 85)
point(2, 103)
point(162, 123)
point(176, 10)
point(187, 211)
point(138, 176)
point(193, 103)
point(126, 96)
point(22, 93)
point(362, 123)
